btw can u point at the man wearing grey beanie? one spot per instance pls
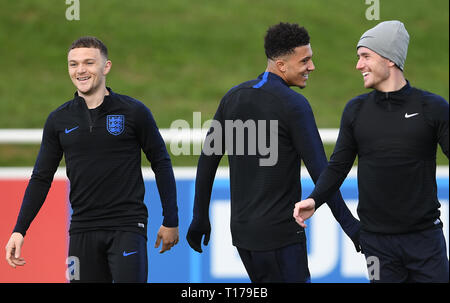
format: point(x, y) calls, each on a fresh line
point(394, 130)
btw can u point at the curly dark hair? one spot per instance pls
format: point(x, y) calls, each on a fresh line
point(281, 39)
point(90, 42)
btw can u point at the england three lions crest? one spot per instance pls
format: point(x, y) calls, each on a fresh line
point(115, 124)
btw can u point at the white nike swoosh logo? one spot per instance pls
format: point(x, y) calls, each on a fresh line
point(411, 115)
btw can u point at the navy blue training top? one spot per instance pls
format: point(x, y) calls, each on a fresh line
point(264, 191)
point(103, 164)
point(395, 136)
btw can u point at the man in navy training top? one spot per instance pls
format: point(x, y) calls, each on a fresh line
point(101, 134)
point(265, 186)
point(394, 130)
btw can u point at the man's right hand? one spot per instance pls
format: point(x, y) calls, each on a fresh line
point(13, 249)
point(303, 210)
point(196, 232)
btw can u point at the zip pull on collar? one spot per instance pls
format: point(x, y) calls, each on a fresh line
point(89, 118)
point(83, 104)
point(106, 104)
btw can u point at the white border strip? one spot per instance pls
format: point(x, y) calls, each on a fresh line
point(181, 173)
point(194, 135)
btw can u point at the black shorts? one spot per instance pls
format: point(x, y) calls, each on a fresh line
point(107, 256)
point(284, 265)
point(413, 257)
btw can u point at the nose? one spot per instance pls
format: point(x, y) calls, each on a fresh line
point(81, 69)
point(359, 64)
point(311, 66)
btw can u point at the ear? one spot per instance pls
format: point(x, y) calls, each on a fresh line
point(390, 63)
point(107, 67)
point(281, 65)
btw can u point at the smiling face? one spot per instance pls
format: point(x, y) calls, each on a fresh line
point(88, 69)
point(375, 69)
point(297, 66)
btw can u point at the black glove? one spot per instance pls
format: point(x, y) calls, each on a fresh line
point(196, 231)
point(355, 240)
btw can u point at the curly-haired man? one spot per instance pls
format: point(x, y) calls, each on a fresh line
point(271, 245)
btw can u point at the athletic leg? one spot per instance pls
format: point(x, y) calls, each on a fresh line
point(253, 270)
point(426, 256)
point(87, 251)
point(261, 266)
point(285, 265)
point(127, 257)
point(293, 263)
point(384, 258)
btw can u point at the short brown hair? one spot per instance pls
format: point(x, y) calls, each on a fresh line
point(90, 42)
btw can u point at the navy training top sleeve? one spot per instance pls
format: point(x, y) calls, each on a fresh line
point(212, 152)
point(50, 154)
point(155, 150)
point(307, 141)
point(436, 113)
point(341, 161)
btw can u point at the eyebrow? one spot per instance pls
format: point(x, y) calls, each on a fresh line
point(72, 60)
point(362, 54)
point(306, 57)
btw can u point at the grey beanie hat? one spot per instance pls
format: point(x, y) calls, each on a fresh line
point(389, 39)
